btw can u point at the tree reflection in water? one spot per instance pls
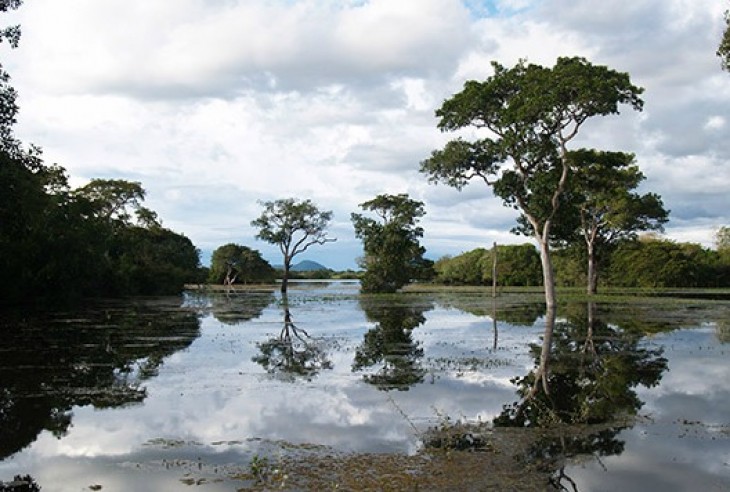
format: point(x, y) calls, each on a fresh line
point(240, 306)
point(593, 371)
point(391, 343)
point(99, 357)
point(293, 353)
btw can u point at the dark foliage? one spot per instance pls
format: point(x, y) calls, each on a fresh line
point(59, 245)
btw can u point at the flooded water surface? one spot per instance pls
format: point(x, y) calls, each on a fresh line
point(328, 389)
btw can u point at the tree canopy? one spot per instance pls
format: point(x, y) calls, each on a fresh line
point(392, 251)
point(114, 199)
point(59, 244)
point(54, 243)
point(233, 263)
point(722, 239)
point(8, 95)
point(519, 265)
point(658, 263)
point(601, 207)
point(531, 113)
point(723, 50)
point(293, 226)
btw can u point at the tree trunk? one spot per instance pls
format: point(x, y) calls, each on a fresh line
point(548, 276)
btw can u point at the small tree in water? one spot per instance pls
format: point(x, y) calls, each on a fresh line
point(393, 255)
point(294, 226)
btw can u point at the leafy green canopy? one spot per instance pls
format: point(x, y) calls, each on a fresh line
point(59, 244)
point(599, 206)
point(8, 95)
point(239, 264)
point(723, 51)
point(393, 254)
point(531, 113)
point(294, 226)
point(652, 263)
point(518, 265)
point(526, 115)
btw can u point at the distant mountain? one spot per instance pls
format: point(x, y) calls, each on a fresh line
point(304, 266)
point(308, 266)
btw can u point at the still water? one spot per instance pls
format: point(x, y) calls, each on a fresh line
point(208, 389)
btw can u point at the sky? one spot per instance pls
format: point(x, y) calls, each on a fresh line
point(216, 105)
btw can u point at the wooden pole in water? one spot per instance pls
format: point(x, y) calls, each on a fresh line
point(494, 270)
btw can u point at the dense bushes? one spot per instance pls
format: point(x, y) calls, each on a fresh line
point(645, 263)
point(234, 263)
point(59, 244)
point(660, 263)
point(517, 265)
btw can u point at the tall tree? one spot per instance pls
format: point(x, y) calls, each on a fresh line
point(393, 253)
point(603, 186)
point(294, 226)
point(600, 206)
point(723, 51)
point(8, 95)
point(114, 199)
point(531, 113)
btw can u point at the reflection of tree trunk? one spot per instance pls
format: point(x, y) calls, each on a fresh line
point(543, 370)
point(592, 286)
point(285, 280)
point(541, 376)
point(494, 322)
point(290, 328)
point(589, 345)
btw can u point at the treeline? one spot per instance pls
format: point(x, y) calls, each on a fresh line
point(651, 262)
point(59, 244)
point(517, 265)
point(647, 262)
point(237, 264)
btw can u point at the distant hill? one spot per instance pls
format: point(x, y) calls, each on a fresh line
point(308, 266)
point(304, 266)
